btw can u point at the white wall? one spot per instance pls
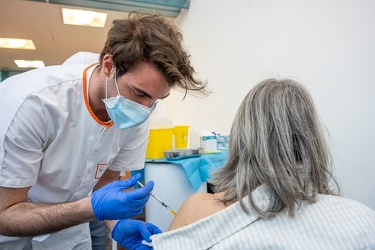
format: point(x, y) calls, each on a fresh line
point(327, 45)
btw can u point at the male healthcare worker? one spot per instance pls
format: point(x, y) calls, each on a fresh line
point(67, 129)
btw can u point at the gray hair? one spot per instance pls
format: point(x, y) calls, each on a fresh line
point(276, 139)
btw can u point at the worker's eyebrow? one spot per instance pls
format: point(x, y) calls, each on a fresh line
point(165, 96)
point(141, 91)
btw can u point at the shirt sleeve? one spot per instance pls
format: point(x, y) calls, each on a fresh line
point(23, 145)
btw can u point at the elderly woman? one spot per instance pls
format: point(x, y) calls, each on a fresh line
point(275, 189)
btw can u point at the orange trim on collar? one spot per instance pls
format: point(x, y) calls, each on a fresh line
point(85, 96)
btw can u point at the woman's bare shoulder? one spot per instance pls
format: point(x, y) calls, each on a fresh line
point(196, 207)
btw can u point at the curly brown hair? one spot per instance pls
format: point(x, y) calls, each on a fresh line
point(152, 38)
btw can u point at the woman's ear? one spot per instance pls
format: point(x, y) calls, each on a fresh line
point(108, 66)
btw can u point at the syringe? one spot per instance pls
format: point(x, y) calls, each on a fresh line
point(160, 201)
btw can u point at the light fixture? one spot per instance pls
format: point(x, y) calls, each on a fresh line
point(29, 64)
point(84, 17)
point(169, 8)
point(16, 43)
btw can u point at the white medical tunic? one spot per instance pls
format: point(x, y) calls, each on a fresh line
point(52, 141)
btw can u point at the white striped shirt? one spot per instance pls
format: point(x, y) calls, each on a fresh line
point(330, 223)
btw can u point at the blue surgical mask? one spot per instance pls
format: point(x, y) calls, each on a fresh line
point(124, 112)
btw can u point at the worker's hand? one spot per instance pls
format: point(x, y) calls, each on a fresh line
point(111, 203)
point(131, 233)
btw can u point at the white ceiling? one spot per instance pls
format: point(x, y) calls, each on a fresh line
point(42, 23)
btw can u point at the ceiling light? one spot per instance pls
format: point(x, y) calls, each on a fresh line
point(84, 17)
point(15, 43)
point(29, 64)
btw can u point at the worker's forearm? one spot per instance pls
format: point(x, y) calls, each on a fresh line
point(30, 219)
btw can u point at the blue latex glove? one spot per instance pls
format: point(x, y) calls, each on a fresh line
point(111, 203)
point(130, 233)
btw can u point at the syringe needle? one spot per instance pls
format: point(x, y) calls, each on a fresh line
point(159, 200)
